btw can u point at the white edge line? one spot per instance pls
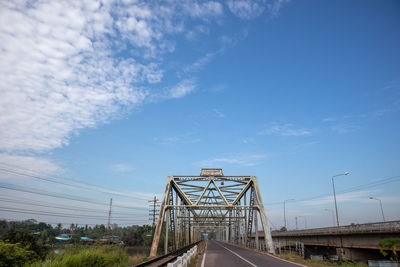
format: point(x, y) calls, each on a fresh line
point(252, 264)
point(276, 257)
point(204, 256)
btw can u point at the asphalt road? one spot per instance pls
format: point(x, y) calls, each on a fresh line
point(224, 255)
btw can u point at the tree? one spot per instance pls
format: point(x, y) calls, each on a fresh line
point(390, 244)
point(26, 240)
point(16, 255)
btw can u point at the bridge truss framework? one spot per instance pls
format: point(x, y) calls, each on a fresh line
point(227, 207)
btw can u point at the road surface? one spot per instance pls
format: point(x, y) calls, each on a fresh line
point(220, 254)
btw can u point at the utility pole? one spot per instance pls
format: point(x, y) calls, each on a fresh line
point(380, 202)
point(296, 224)
point(109, 216)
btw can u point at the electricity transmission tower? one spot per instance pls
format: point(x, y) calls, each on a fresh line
point(153, 210)
point(109, 216)
point(228, 207)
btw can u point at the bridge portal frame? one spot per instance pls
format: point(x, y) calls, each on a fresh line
point(229, 206)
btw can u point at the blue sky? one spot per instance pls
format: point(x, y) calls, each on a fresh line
point(121, 94)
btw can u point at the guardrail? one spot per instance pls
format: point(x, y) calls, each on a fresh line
point(184, 259)
point(170, 257)
point(381, 227)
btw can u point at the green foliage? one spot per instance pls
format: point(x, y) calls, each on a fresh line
point(81, 256)
point(16, 254)
point(26, 240)
point(390, 244)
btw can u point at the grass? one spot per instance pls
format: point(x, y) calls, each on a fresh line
point(80, 256)
point(315, 263)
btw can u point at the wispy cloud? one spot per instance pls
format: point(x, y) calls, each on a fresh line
point(40, 166)
point(344, 128)
point(121, 167)
point(185, 138)
point(199, 64)
point(204, 10)
point(246, 9)
point(275, 7)
point(251, 9)
point(285, 130)
point(181, 89)
point(245, 159)
point(359, 196)
point(218, 113)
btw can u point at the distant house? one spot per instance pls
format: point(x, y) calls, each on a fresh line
point(110, 239)
point(87, 240)
point(63, 238)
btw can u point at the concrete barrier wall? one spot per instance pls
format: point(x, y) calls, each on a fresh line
point(183, 260)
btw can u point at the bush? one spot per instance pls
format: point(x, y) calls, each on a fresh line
point(390, 244)
point(26, 240)
point(16, 255)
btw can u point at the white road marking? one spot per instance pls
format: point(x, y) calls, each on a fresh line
point(204, 256)
point(252, 264)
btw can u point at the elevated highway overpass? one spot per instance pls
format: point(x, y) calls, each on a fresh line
point(357, 241)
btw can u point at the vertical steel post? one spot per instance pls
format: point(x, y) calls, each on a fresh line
point(166, 234)
point(160, 220)
point(256, 228)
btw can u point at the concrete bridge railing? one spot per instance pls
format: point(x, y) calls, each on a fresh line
point(380, 227)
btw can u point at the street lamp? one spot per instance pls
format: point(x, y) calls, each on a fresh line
point(305, 221)
point(334, 195)
point(284, 210)
point(380, 202)
point(333, 215)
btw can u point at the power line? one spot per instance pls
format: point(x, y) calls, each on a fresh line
point(64, 223)
point(348, 190)
point(16, 201)
point(64, 196)
point(99, 189)
point(67, 215)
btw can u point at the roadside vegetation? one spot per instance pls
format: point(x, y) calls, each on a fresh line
point(29, 243)
point(389, 247)
point(315, 263)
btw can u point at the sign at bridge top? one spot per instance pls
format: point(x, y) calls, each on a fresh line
point(211, 172)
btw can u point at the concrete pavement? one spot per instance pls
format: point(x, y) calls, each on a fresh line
point(220, 254)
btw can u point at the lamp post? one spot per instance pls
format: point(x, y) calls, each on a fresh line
point(380, 202)
point(305, 221)
point(284, 210)
point(334, 195)
point(333, 215)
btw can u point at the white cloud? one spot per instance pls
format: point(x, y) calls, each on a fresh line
point(251, 9)
point(121, 167)
point(345, 128)
point(198, 64)
point(68, 65)
point(181, 89)
point(359, 196)
point(246, 160)
point(204, 10)
point(185, 138)
point(285, 130)
point(276, 6)
point(246, 9)
point(218, 113)
point(39, 166)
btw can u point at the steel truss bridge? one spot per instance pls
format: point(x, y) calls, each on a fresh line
point(229, 208)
